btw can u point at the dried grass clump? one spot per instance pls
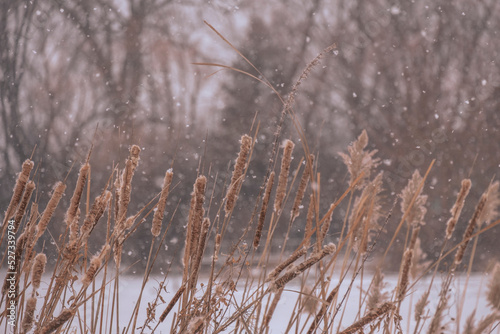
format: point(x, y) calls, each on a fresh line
point(359, 161)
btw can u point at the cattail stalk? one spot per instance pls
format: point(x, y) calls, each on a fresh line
point(162, 202)
point(38, 270)
point(96, 211)
point(263, 211)
point(306, 175)
point(283, 177)
point(457, 207)
point(126, 181)
point(370, 317)
point(51, 207)
point(470, 229)
point(21, 181)
point(296, 271)
point(272, 308)
point(29, 315)
point(172, 303)
point(77, 194)
point(405, 273)
point(308, 231)
point(291, 259)
point(199, 252)
point(237, 177)
point(21, 210)
point(55, 324)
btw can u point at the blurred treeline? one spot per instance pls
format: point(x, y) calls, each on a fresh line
point(423, 78)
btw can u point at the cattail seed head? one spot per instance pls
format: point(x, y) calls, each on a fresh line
point(21, 210)
point(283, 177)
point(162, 202)
point(21, 181)
point(29, 314)
point(237, 177)
point(51, 207)
point(55, 324)
point(405, 271)
point(38, 269)
point(263, 211)
point(95, 263)
point(306, 175)
point(77, 194)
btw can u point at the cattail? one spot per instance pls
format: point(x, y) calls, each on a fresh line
point(302, 188)
point(117, 186)
point(218, 238)
point(272, 308)
point(162, 202)
point(263, 211)
point(237, 177)
point(51, 207)
point(55, 324)
point(77, 194)
point(323, 309)
point(196, 213)
point(199, 252)
point(308, 231)
point(470, 229)
point(172, 303)
point(494, 288)
point(21, 210)
point(359, 161)
point(457, 207)
point(416, 212)
point(38, 270)
point(370, 317)
point(324, 228)
point(291, 259)
point(96, 211)
point(20, 244)
point(22, 179)
point(29, 314)
point(405, 270)
point(294, 272)
point(73, 226)
point(95, 263)
point(283, 177)
point(126, 181)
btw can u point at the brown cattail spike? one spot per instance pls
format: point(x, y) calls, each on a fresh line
point(283, 177)
point(38, 270)
point(22, 179)
point(306, 175)
point(77, 194)
point(51, 207)
point(29, 315)
point(21, 210)
point(263, 211)
point(162, 202)
point(237, 177)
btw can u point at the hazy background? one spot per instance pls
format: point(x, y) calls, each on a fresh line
point(422, 78)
